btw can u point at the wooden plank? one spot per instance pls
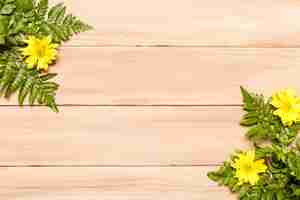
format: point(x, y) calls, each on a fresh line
point(120, 136)
point(191, 22)
point(188, 183)
point(171, 76)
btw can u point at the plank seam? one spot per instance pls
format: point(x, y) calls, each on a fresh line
point(185, 46)
point(131, 105)
point(112, 166)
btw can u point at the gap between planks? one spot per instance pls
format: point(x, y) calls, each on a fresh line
point(112, 166)
point(179, 46)
point(127, 105)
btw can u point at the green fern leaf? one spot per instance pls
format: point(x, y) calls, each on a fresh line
point(62, 26)
point(42, 8)
point(28, 83)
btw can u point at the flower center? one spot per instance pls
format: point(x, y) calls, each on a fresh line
point(287, 106)
point(40, 50)
point(248, 167)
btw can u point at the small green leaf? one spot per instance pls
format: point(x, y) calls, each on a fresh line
point(4, 21)
point(249, 121)
point(2, 39)
point(247, 98)
point(48, 76)
point(7, 9)
point(24, 5)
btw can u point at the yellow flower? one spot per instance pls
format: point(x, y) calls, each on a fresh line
point(288, 106)
point(247, 168)
point(39, 53)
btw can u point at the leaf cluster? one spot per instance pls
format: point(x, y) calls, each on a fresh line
point(28, 83)
point(282, 179)
point(262, 124)
point(18, 20)
point(281, 182)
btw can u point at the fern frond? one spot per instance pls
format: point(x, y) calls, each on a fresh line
point(28, 83)
point(18, 20)
point(37, 19)
point(42, 8)
point(60, 25)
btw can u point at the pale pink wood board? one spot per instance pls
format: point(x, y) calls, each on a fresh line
point(264, 23)
point(120, 136)
point(120, 183)
point(171, 76)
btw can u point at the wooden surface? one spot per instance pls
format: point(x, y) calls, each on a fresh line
point(121, 136)
point(149, 99)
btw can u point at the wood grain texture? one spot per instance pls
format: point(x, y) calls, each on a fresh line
point(191, 22)
point(120, 136)
point(188, 183)
point(171, 76)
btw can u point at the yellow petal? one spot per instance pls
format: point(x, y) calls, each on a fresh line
point(42, 65)
point(251, 155)
point(260, 165)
